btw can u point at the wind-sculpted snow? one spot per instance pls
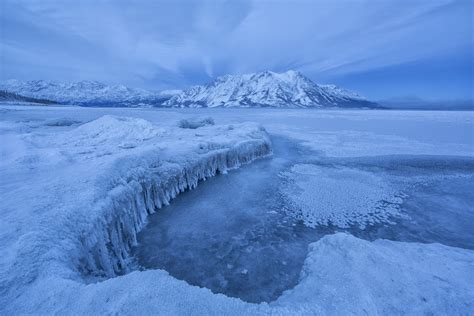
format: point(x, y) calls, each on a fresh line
point(110, 131)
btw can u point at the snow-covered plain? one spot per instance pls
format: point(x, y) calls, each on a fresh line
point(78, 183)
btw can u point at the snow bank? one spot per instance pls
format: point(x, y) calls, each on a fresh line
point(384, 278)
point(109, 130)
point(145, 189)
point(75, 200)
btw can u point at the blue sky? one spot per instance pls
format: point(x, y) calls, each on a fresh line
point(382, 49)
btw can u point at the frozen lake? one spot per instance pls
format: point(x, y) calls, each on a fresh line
point(239, 234)
point(398, 183)
point(232, 234)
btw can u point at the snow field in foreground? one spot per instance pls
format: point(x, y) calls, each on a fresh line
point(95, 185)
point(341, 275)
point(64, 200)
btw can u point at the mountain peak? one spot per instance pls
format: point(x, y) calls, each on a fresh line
point(262, 89)
point(293, 73)
point(267, 89)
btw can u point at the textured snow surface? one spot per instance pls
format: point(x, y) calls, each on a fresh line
point(267, 89)
point(340, 196)
point(111, 131)
point(368, 191)
point(403, 278)
point(74, 195)
point(90, 188)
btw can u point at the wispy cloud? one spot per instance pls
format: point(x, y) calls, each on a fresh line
point(175, 43)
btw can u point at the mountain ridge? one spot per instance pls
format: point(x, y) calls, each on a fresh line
point(267, 89)
point(85, 92)
point(289, 89)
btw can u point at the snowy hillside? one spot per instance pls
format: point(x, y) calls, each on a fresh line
point(268, 89)
point(83, 93)
point(7, 97)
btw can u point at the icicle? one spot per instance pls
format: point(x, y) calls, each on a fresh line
point(107, 247)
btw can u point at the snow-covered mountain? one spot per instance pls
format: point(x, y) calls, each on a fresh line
point(83, 93)
point(267, 89)
point(264, 89)
point(170, 93)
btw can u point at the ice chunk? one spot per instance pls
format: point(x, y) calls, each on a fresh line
point(196, 122)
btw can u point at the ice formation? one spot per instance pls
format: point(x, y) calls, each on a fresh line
point(197, 122)
point(340, 196)
point(122, 169)
point(72, 203)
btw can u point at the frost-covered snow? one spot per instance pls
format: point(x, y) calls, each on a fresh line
point(366, 191)
point(267, 89)
point(196, 122)
point(383, 278)
point(340, 196)
point(77, 184)
point(75, 199)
